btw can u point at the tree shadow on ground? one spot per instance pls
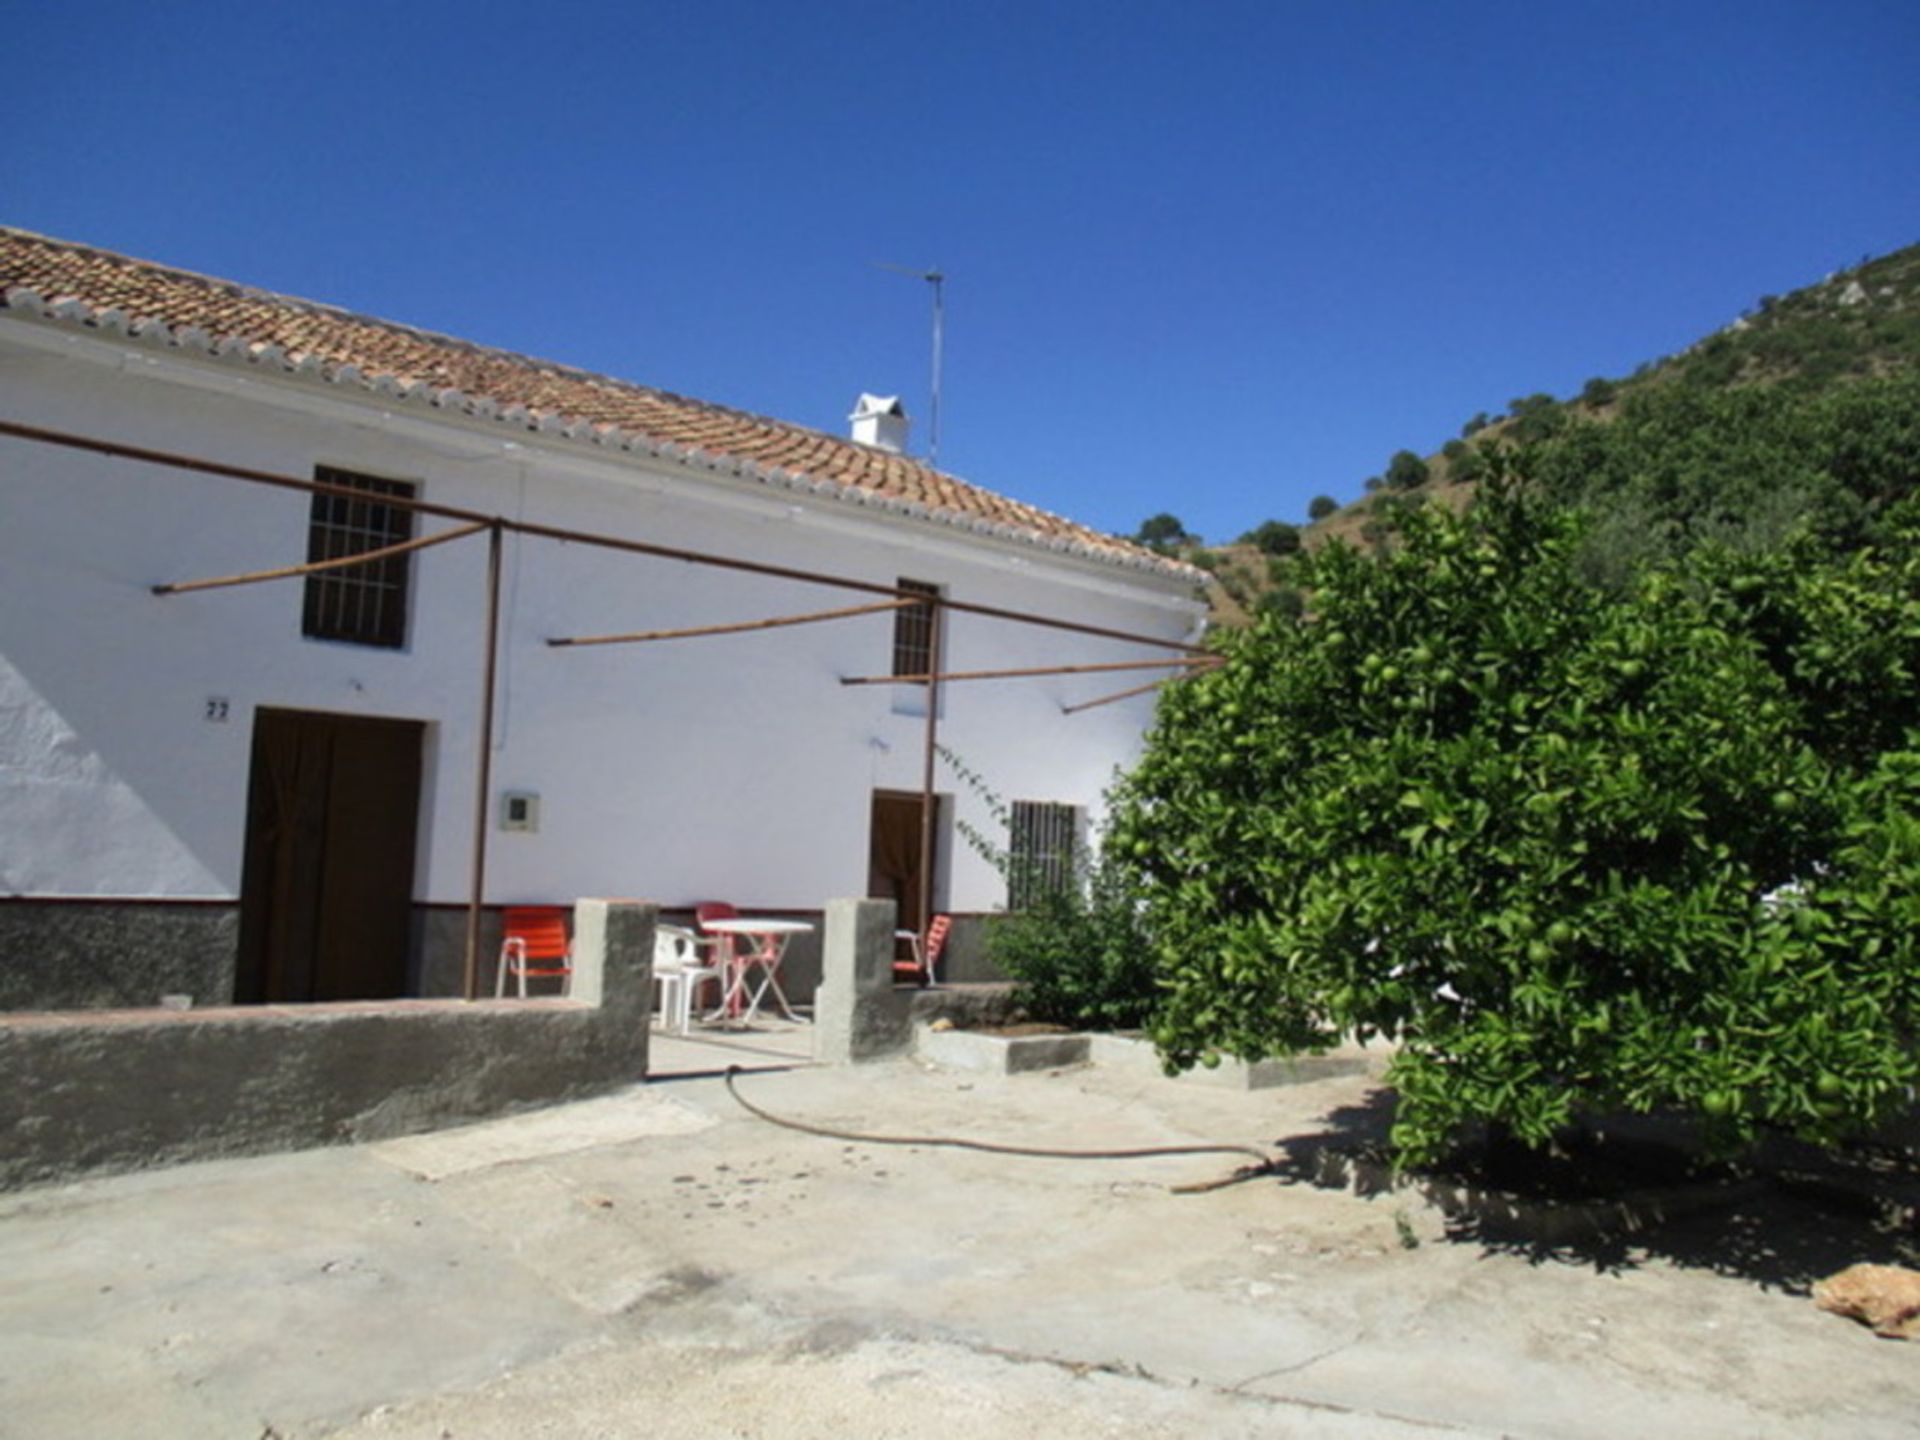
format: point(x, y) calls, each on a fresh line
point(1618, 1195)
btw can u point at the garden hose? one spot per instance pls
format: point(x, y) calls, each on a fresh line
point(1265, 1165)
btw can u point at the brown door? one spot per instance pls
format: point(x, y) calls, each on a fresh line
point(893, 854)
point(326, 897)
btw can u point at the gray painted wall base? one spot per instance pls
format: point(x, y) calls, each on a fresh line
point(101, 955)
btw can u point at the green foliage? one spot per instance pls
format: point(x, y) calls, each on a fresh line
point(1453, 450)
point(1273, 537)
point(1321, 506)
point(1748, 468)
point(1474, 426)
point(1535, 417)
point(1163, 532)
point(1406, 470)
point(1079, 953)
point(1650, 848)
point(1284, 602)
point(1599, 391)
point(1206, 559)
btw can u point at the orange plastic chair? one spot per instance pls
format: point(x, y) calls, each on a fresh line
point(535, 943)
point(920, 969)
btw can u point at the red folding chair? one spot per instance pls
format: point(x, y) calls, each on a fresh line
point(926, 956)
point(726, 953)
point(534, 942)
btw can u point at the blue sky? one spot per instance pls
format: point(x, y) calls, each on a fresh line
point(1206, 258)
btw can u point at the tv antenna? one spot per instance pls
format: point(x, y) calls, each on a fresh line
point(938, 282)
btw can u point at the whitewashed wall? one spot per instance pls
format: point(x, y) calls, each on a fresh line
point(735, 766)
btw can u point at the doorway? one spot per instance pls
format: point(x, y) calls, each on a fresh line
point(893, 853)
point(326, 893)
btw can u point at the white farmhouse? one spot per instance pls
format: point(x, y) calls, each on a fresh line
point(324, 785)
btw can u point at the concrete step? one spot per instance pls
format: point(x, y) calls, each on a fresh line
point(1001, 1054)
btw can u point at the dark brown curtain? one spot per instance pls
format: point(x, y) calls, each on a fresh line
point(893, 868)
point(326, 897)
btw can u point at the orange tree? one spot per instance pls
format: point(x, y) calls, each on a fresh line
point(1575, 850)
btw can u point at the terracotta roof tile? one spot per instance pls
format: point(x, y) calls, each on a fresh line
point(80, 285)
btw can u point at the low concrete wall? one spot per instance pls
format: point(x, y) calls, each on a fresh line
point(122, 1090)
point(859, 1014)
point(964, 961)
point(999, 1054)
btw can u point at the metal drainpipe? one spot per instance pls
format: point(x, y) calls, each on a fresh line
point(928, 802)
point(483, 768)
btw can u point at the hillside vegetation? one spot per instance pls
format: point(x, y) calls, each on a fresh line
point(1805, 412)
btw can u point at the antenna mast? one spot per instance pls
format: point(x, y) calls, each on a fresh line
point(938, 281)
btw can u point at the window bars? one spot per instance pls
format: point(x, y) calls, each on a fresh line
point(1040, 852)
point(913, 631)
point(365, 604)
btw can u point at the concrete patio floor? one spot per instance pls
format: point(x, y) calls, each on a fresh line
point(659, 1262)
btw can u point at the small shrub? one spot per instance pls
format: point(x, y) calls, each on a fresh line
point(1162, 532)
point(1285, 602)
point(1406, 470)
point(1079, 953)
point(1273, 537)
point(1536, 417)
point(1321, 506)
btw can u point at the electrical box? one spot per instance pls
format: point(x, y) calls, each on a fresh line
point(520, 810)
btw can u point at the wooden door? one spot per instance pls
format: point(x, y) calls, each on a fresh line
point(893, 854)
point(326, 897)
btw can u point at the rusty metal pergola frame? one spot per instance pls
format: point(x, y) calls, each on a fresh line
point(1194, 659)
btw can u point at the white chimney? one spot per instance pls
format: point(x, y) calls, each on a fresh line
point(881, 421)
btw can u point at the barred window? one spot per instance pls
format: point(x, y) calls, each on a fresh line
point(1041, 850)
point(913, 631)
point(362, 604)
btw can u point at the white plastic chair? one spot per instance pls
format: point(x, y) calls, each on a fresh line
point(679, 972)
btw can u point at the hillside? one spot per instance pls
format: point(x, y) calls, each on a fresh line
point(1790, 355)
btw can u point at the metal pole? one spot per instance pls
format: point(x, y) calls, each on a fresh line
point(1150, 686)
point(938, 281)
point(642, 637)
point(1185, 662)
point(927, 797)
point(316, 567)
point(483, 768)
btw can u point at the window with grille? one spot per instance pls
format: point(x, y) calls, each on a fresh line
point(362, 604)
point(913, 631)
point(1040, 850)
